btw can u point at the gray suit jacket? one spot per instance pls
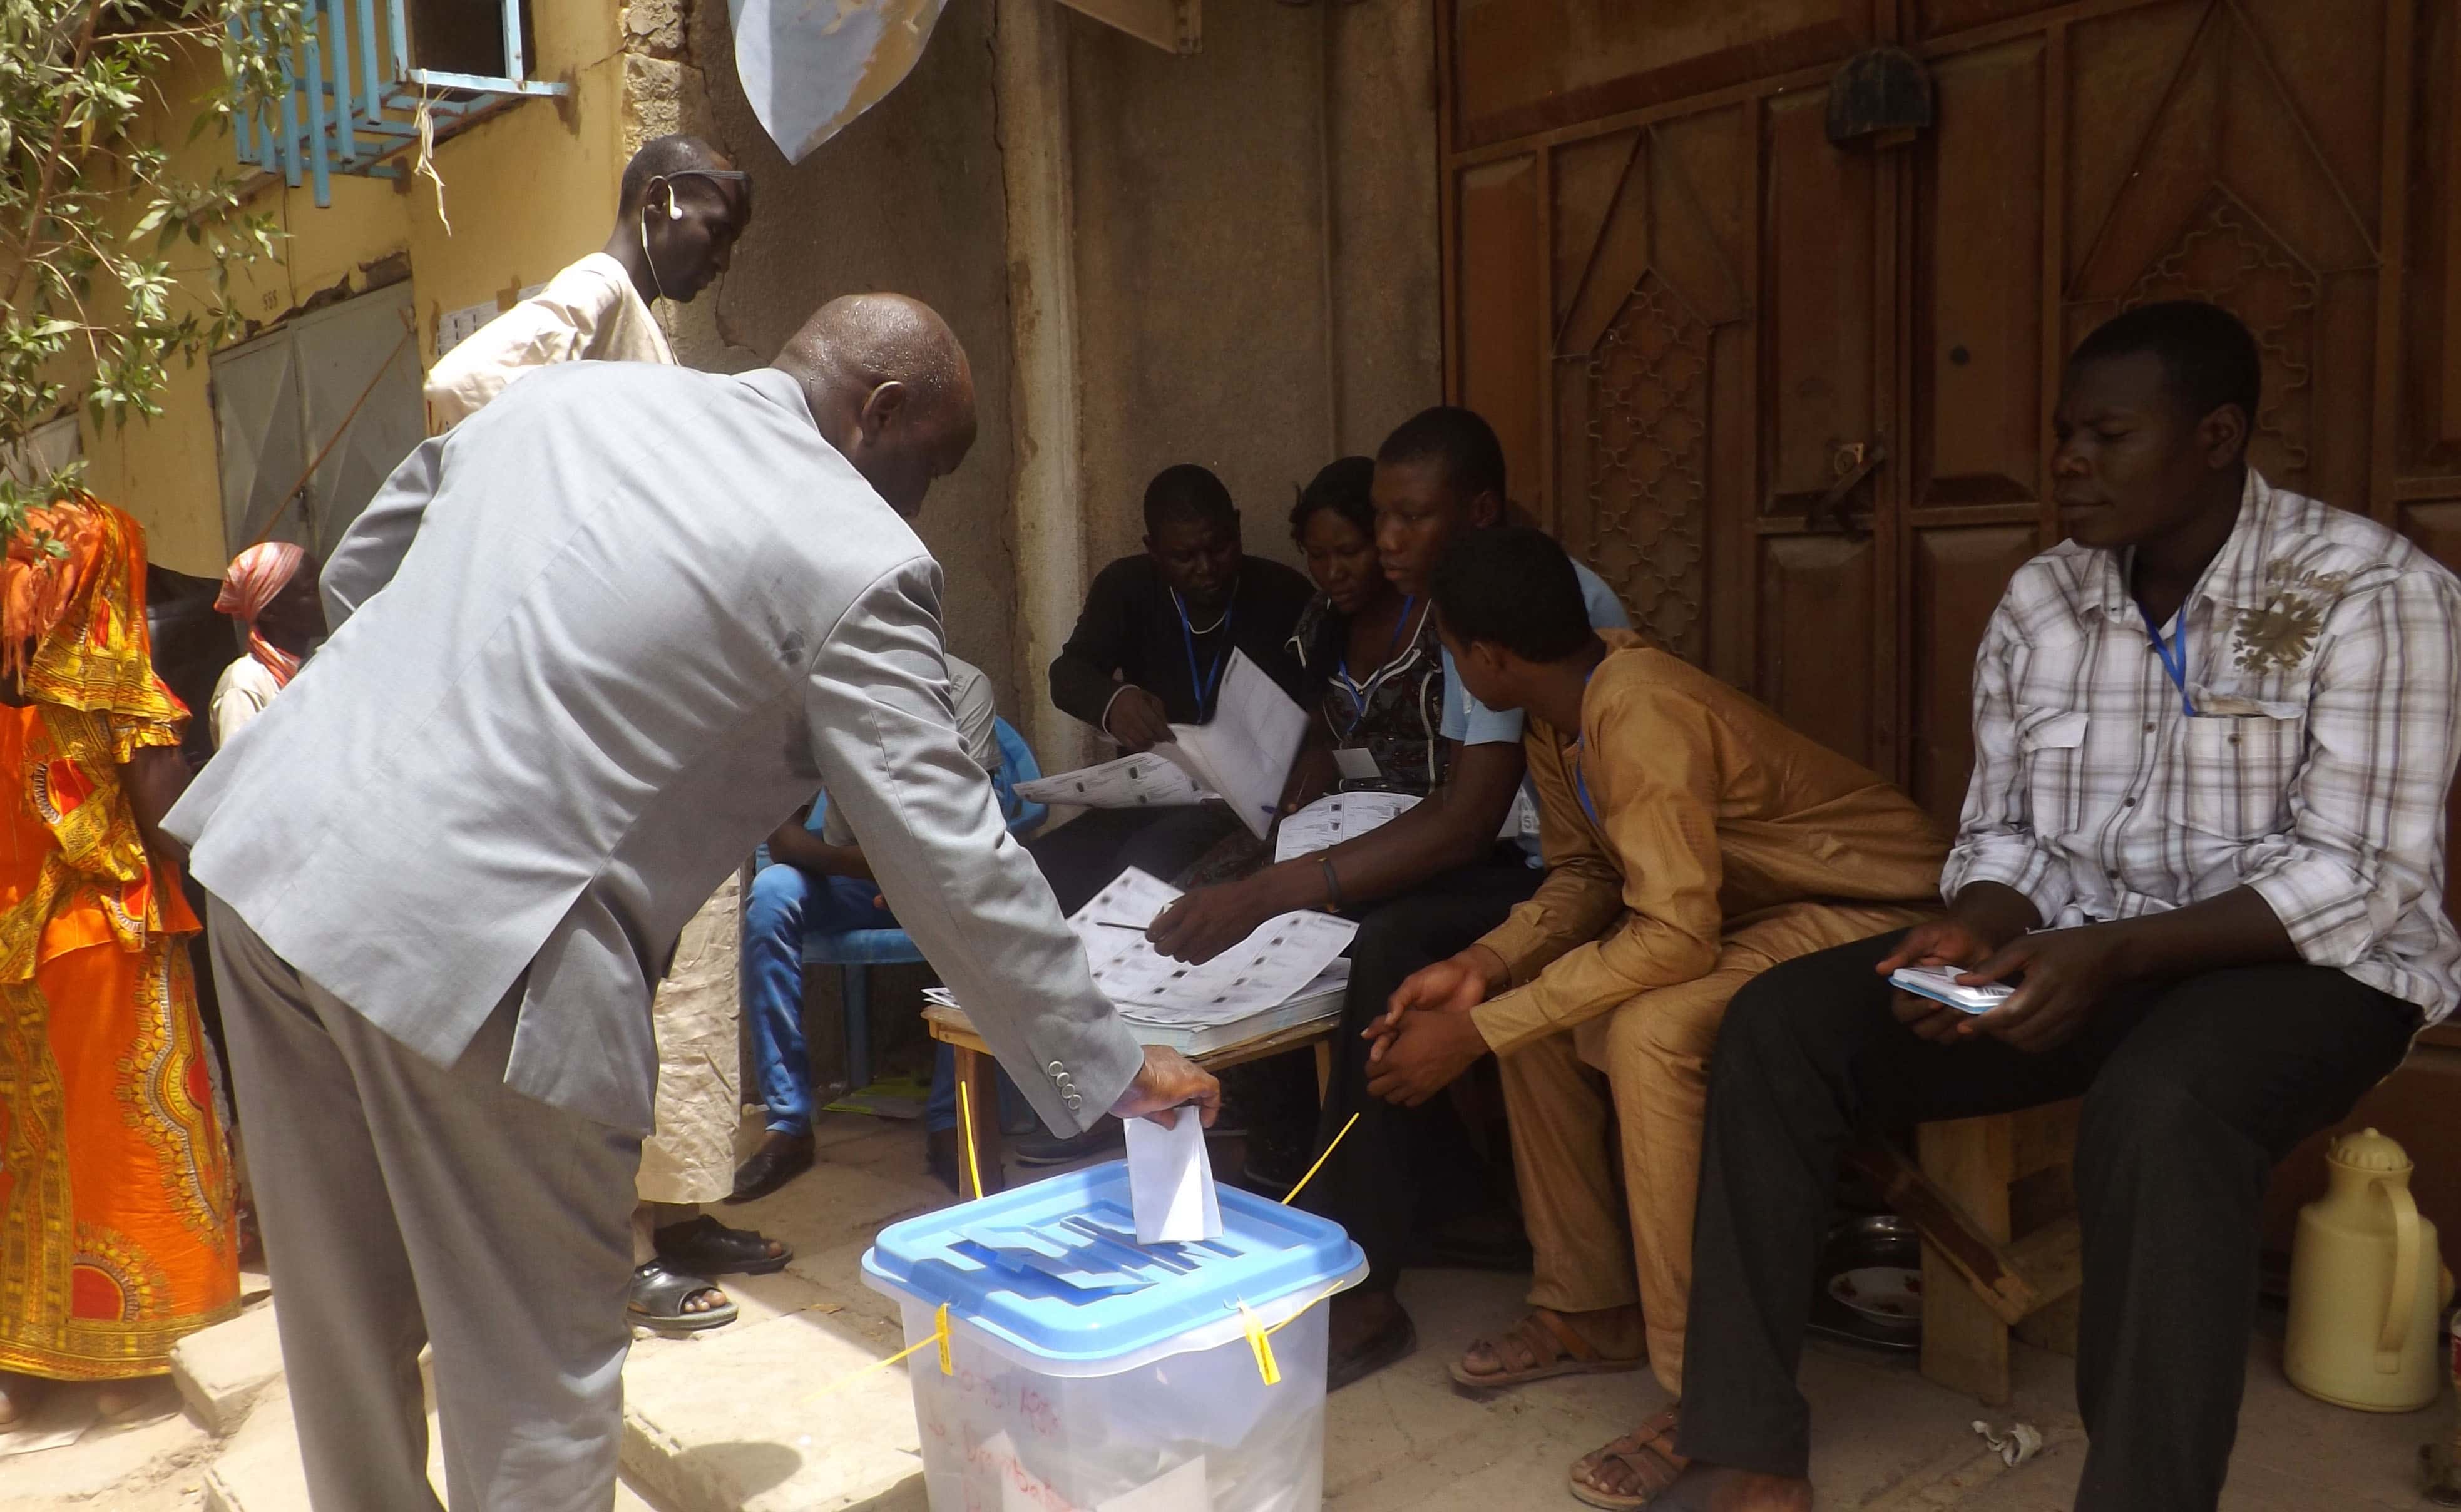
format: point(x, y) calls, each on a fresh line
point(590, 648)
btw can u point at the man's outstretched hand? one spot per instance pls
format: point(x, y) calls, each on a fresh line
point(1169, 1082)
point(1207, 921)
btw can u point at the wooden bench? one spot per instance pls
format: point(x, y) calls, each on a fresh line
point(977, 1070)
point(1996, 1206)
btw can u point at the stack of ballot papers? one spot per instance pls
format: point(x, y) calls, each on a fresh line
point(1289, 971)
point(1242, 756)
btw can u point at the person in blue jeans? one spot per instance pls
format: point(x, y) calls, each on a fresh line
point(818, 882)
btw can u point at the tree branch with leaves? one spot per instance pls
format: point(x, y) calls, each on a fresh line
point(92, 205)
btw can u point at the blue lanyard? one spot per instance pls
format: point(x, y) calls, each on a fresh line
point(1357, 693)
point(2174, 653)
point(1580, 782)
point(1203, 685)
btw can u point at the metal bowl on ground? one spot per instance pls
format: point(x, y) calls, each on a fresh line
point(1881, 1243)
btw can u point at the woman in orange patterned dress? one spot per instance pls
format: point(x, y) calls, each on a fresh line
point(116, 1231)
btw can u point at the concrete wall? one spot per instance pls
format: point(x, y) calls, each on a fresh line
point(1257, 246)
point(908, 199)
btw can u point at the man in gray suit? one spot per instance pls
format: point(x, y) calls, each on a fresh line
point(589, 647)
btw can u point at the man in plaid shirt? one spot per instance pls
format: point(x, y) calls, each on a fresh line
point(2213, 731)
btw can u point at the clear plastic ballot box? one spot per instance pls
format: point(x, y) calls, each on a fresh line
point(1092, 1373)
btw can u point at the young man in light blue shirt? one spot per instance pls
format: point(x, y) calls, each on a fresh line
point(1423, 887)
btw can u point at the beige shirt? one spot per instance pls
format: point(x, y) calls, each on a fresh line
point(245, 688)
point(1707, 807)
point(589, 312)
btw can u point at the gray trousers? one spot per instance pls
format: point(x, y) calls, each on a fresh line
point(403, 1204)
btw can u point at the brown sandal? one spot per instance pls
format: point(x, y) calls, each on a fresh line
point(1647, 1455)
point(1553, 1348)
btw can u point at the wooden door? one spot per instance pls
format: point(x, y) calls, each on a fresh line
point(1690, 314)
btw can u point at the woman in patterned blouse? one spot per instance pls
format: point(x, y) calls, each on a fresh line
point(1375, 672)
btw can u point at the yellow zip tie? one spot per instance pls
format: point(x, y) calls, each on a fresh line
point(966, 1121)
point(1325, 1295)
point(1320, 1163)
point(939, 1337)
point(1261, 1345)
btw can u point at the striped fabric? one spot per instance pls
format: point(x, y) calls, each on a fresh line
point(2324, 665)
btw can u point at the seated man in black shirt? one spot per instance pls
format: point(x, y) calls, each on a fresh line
point(1150, 649)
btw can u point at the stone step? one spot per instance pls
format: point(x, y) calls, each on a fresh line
point(259, 1469)
point(221, 1370)
point(729, 1422)
point(716, 1422)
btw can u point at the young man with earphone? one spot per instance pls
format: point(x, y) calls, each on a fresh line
point(684, 205)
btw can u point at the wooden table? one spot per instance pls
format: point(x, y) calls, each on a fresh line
point(974, 1071)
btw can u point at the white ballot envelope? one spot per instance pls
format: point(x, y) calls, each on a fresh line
point(1170, 1181)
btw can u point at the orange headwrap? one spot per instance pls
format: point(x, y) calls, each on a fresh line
point(72, 622)
point(49, 562)
point(250, 582)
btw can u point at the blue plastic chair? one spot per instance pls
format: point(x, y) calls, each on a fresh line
point(854, 953)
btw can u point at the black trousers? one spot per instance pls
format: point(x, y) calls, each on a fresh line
point(2193, 1090)
point(1079, 858)
point(1397, 1158)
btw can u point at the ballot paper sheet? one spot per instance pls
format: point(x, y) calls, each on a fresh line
point(1330, 821)
point(1144, 780)
point(1245, 751)
point(1241, 757)
point(1283, 956)
point(1170, 1181)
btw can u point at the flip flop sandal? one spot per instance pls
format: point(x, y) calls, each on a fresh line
point(708, 1247)
point(1552, 1347)
point(658, 1297)
point(1647, 1455)
point(1397, 1341)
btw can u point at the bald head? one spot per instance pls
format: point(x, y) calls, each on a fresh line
point(890, 386)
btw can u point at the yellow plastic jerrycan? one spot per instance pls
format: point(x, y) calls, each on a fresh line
point(2367, 1285)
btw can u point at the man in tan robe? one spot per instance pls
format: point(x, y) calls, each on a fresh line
point(1692, 841)
point(683, 206)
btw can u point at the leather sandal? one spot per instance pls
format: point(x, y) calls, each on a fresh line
point(1552, 1347)
point(659, 1296)
point(704, 1246)
point(1647, 1455)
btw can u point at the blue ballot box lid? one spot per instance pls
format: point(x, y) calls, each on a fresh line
point(1053, 1271)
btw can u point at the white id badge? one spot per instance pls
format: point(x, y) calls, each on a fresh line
point(1356, 765)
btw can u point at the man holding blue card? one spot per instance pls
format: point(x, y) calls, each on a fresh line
point(2204, 841)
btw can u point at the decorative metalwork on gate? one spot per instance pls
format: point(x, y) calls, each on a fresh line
point(2225, 256)
point(1649, 445)
point(359, 105)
